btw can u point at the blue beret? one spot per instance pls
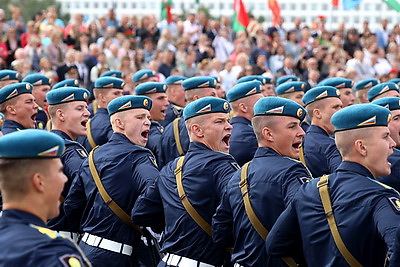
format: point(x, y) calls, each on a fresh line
point(143, 74)
point(395, 80)
point(6, 75)
point(320, 92)
point(279, 106)
point(380, 89)
point(287, 78)
point(66, 83)
point(337, 82)
point(108, 83)
point(175, 79)
point(198, 83)
point(127, 102)
point(290, 87)
point(31, 143)
point(206, 105)
point(67, 94)
point(12, 90)
point(37, 79)
point(242, 90)
point(260, 78)
point(366, 84)
point(392, 103)
point(216, 78)
point(359, 116)
point(113, 73)
point(150, 88)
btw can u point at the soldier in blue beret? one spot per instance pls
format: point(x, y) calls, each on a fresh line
point(176, 99)
point(362, 89)
point(395, 80)
point(329, 216)
point(344, 85)
point(267, 82)
point(41, 85)
point(99, 128)
point(157, 92)
point(291, 90)
point(18, 106)
point(31, 181)
point(9, 77)
point(69, 115)
point(175, 139)
point(143, 76)
point(202, 175)
point(66, 83)
point(113, 73)
point(287, 78)
point(126, 168)
point(243, 143)
point(387, 89)
point(393, 104)
point(320, 153)
point(2, 118)
point(221, 93)
point(270, 180)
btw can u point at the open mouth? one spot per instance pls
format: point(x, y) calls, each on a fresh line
point(83, 123)
point(226, 139)
point(145, 134)
point(33, 117)
point(296, 145)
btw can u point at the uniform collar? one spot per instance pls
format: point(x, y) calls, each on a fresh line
point(194, 146)
point(317, 129)
point(354, 167)
point(12, 124)
point(62, 134)
point(239, 119)
point(102, 110)
point(173, 104)
point(15, 216)
point(265, 151)
point(121, 138)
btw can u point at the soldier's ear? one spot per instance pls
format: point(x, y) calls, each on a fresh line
point(317, 113)
point(267, 134)
point(197, 131)
point(37, 182)
point(10, 109)
point(360, 147)
point(243, 107)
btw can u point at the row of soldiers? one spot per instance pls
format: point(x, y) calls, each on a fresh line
point(214, 181)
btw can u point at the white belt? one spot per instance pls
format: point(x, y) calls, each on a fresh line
point(100, 242)
point(176, 260)
point(238, 265)
point(72, 235)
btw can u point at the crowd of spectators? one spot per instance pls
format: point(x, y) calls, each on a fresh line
point(195, 45)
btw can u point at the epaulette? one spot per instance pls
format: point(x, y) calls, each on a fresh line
point(384, 185)
point(50, 233)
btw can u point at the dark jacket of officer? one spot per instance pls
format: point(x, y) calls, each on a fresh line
point(366, 213)
point(173, 111)
point(41, 118)
point(10, 126)
point(125, 170)
point(205, 175)
point(30, 243)
point(320, 152)
point(393, 179)
point(101, 129)
point(273, 182)
point(168, 150)
point(153, 143)
point(243, 143)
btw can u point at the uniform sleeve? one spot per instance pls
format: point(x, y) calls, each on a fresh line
point(395, 258)
point(144, 171)
point(148, 209)
point(222, 224)
point(223, 173)
point(292, 180)
point(333, 156)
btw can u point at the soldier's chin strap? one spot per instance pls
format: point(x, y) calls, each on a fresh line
point(254, 220)
point(323, 189)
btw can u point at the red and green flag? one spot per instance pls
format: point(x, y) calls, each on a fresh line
point(240, 16)
point(393, 4)
point(166, 6)
point(276, 11)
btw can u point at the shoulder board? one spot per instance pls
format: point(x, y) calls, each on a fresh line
point(395, 203)
point(153, 160)
point(234, 165)
point(384, 185)
point(177, 107)
point(50, 233)
point(81, 152)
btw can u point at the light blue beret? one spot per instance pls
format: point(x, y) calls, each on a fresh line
point(175, 79)
point(143, 74)
point(337, 82)
point(113, 73)
point(31, 144)
point(359, 116)
point(279, 106)
point(6, 75)
point(128, 102)
point(13, 90)
point(206, 105)
point(150, 88)
point(287, 78)
point(392, 103)
point(37, 79)
point(67, 94)
point(320, 92)
point(290, 87)
point(264, 80)
point(395, 80)
point(66, 83)
point(216, 78)
point(108, 83)
point(242, 90)
point(366, 84)
point(380, 89)
point(198, 83)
